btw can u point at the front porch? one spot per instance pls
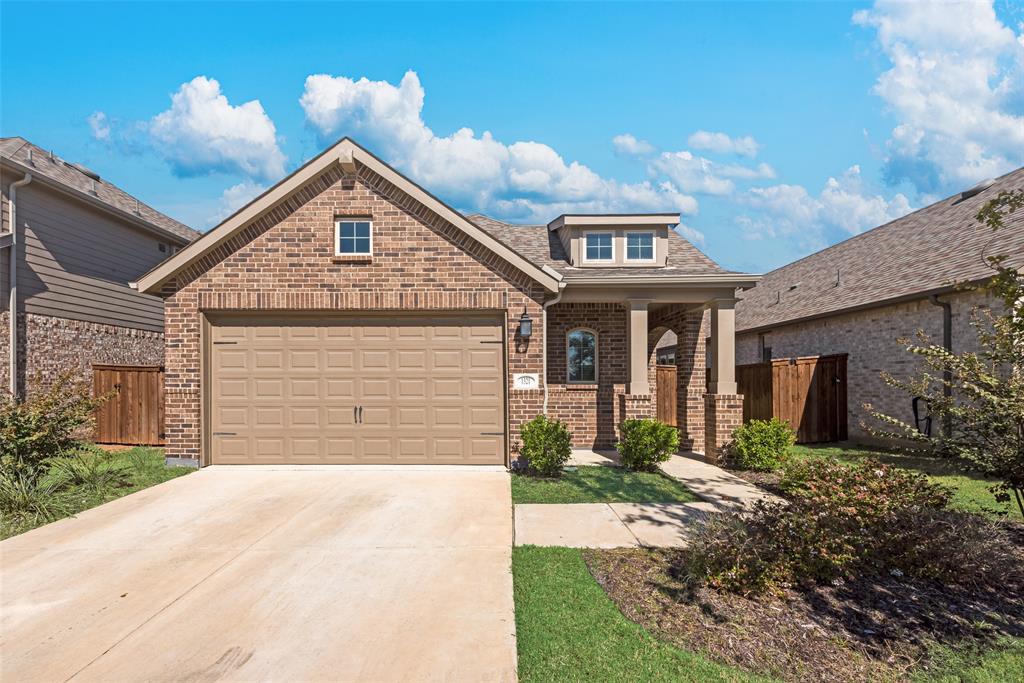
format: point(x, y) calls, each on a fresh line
point(602, 364)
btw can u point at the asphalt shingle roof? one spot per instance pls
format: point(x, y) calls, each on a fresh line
point(927, 250)
point(543, 247)
point(71, 175)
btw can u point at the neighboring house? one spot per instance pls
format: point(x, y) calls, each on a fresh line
point(859, 296)
point(348, 316)
point(78, 242)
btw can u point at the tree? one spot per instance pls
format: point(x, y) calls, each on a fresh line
point(981, 395)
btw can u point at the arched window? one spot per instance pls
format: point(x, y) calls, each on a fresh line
point(581, 356)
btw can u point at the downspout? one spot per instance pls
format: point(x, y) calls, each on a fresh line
point(947, 343)
point(544, 351)
point(13, 282)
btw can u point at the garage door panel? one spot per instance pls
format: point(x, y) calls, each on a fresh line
point(429, 389)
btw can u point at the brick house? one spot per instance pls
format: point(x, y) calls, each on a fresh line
point(859, 296)
point(346, 315)
point(77, 242)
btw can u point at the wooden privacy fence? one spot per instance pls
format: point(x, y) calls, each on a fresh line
point(808, 393)
point(134, 414)
point(667, 394)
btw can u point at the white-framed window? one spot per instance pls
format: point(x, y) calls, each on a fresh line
point(353, 236)
point(581, 356)
point(639, 246)
point(598, 246)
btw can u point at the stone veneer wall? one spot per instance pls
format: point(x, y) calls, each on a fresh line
point(52, 346)
point(870, 338)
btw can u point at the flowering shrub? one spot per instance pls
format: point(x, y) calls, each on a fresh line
point(761, 444)
point(841, 521)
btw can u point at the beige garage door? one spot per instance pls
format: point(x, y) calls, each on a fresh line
point(395, 389)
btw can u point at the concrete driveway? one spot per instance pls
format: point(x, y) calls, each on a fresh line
point(257, 573)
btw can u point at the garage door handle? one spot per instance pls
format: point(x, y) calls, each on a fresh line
point(360, 415)
point(357, 414)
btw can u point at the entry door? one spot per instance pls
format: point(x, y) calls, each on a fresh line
point(373, 390)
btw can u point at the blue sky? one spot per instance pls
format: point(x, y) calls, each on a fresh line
point(774, 128)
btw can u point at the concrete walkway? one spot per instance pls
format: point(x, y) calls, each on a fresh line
point(258, 573)
point(609, 525)
point(623, 525)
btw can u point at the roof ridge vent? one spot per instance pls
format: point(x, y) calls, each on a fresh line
point(978, 189)
point(88, 173)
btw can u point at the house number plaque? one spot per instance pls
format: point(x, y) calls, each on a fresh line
point(525, 381)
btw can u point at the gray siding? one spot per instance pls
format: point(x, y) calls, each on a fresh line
point(76, 261)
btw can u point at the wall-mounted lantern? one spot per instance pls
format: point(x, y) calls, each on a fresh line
point(525, 326)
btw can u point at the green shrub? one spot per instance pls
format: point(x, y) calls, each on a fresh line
point(547, 445)
point(761, 444)
point(646, 442)
point(841, 521)
point(44, 426)
point(23, 497)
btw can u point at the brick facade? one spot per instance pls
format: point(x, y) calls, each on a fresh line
point(870, 339)
point(52, 346)
point(723, 413)
point(285, 261)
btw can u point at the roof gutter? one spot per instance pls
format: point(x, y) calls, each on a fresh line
point(12, 307)
point(740, 280)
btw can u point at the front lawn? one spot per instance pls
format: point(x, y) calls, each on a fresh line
point(970, 492)
point(595, 484)
point(568, 630)
point(143, 466)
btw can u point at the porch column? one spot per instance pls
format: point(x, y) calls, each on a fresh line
point(638, 357)
point(723, 407)
point(723, 347)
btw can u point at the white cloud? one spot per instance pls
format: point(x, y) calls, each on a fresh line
point(522, 180)
point(235, 197)
point(202, 132)
point(956, 86)
point(695, 236)
point(842, 208)
point(628, 145)
point(692, 173)
point(99, 125)
point(721, 143)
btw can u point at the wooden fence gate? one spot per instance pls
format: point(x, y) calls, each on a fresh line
point(134, 414)
point(666, 391)
point(808, 393)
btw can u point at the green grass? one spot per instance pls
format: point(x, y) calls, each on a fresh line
point(145, 467)
point(970, 492)
point(567, 629)
point(594, 484)
point(1004, 662)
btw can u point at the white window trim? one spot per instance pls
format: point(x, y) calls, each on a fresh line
point(654, 247)
point(337, 236)
point(583, 246)
point(597, 356)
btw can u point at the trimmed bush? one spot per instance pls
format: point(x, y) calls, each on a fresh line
point(761, 445)
point(843, 521)
point(645, 443)
point(547, 445)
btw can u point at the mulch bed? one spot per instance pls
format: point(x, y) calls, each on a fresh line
point(871, 629)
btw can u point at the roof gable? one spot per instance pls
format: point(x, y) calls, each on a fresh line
point(924, 252)
point(348, 154)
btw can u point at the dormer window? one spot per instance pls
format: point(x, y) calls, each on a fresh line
point(640, 246)
point(598, 246)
